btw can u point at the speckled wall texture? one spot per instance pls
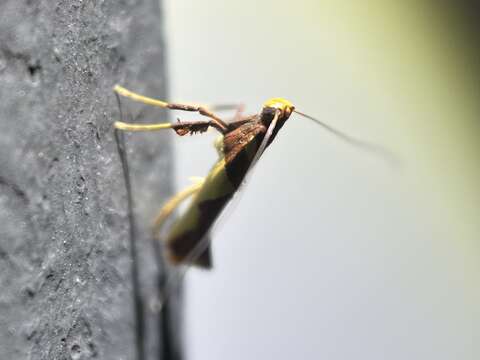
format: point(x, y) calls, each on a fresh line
point(65, 256)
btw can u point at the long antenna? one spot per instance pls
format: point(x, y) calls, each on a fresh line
point(137, 300)
point(364, 145)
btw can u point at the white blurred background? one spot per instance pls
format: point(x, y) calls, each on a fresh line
point(330, 252)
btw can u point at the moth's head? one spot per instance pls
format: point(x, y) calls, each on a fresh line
point(284, 107)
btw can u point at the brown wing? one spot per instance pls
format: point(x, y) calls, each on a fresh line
point(240, 147)
point(186, 242)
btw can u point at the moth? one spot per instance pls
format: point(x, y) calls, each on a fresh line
point(241, 143)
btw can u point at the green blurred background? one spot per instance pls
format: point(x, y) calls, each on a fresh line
point(332, 253)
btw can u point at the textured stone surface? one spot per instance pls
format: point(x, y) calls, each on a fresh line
point(65, 257)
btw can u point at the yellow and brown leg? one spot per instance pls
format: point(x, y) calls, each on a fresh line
point(181, 127)
point(174, 202)
point(219, 123)
point(238, 108)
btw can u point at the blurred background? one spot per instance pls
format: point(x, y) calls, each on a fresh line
point(332, 253)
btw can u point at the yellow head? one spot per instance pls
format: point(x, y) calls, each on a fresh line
point(279, 104)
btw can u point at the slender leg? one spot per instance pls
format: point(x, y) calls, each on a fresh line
point(167, 105)
point(181, 127)
point(239, 112)
point(224, 107)
point(170, 281)
point(174, 202)
point(238, 108)
point(120, 125)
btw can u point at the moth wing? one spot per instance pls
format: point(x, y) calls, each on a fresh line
point(201, 253)
point(264, 143)
point(233, 202)
point(204, 259)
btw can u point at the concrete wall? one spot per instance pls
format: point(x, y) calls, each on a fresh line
point(65, 258)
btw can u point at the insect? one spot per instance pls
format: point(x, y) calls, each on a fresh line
point(242, 142)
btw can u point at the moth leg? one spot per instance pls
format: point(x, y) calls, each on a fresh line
point(181, 127)
point(174, 202)
point(238, 108)
point(172, 106)
point(239, 112)
point(120, 125)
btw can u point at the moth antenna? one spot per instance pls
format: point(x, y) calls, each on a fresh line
point(364, 145)
point(137, 301)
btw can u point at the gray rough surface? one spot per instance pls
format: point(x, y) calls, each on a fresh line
point(65, 260)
